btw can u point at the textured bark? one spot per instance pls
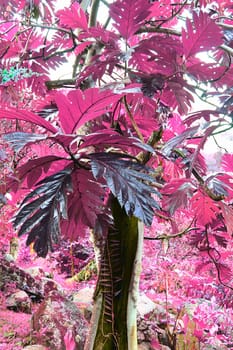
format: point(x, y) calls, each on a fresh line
point(113, 325)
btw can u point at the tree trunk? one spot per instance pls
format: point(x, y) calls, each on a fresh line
point(114, 319)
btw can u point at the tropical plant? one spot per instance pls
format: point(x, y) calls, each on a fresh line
point(117, 143)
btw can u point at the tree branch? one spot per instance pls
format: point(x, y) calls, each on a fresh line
point(94, 12)
point(134, 124)
point(146, 29)
point(58, 84)
point(227, 49)
point(144, 157)
point(178, 234)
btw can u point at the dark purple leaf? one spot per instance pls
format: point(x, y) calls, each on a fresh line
point(150, 83)
point(18, 140)
point(222, 241)
point(128, 181)
point(40, 211)
point(178, 141)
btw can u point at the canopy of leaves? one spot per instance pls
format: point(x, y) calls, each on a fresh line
point(121, 121)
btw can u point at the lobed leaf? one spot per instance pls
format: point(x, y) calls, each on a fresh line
point(178, 140)
point(40, 212)
point(204, 208)
point(19, 140)
point(177, 96)
point(86, 201)
point(129, 15)
point(12, 113)
point(129, 183)
point(111, 138)
point(79, 107)
point(201, 34)
point(177, 194)
point(73, 17)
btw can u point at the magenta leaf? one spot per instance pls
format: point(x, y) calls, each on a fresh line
point(79, 107)
point(33, 170)
point(157, 54)
point(203, 266)
point(129, 15)
point(196, 157)
point(201, 34)
point(81, 47)
point(101, 64)
point(204, 71)
point(222, 241)
point(73, 17)
point(12, 113)
point(204, 208)
point(111, 138)
point(205, 114)
point(227, 162)
point(224, 271)
point(29, 170)
point(85, 202)
point(177, 194)
point(176, 95)
point(69, 340)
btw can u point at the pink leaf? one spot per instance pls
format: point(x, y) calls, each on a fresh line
point(227, 162)
point(69, 340)
point(227, 213)
point(176, 95)
point(177, 193)
point(205, 71)
point(85, 203)
point(81, 47)
point(204, 207)
point(79, 107)
point(225, 272)
point(128, 15)
point(201, 34)
point(11, 113)
point(73, 17)
point(111, 138)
